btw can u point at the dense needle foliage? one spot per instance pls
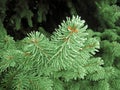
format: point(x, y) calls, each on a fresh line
point(82, 53)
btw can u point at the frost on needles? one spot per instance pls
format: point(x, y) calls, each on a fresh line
point(39, 63)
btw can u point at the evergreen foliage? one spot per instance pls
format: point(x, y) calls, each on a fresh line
point(106, 10)
point(38, 60)
point(77, 55)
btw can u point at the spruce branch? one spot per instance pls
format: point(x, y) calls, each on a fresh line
point(67, 55)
